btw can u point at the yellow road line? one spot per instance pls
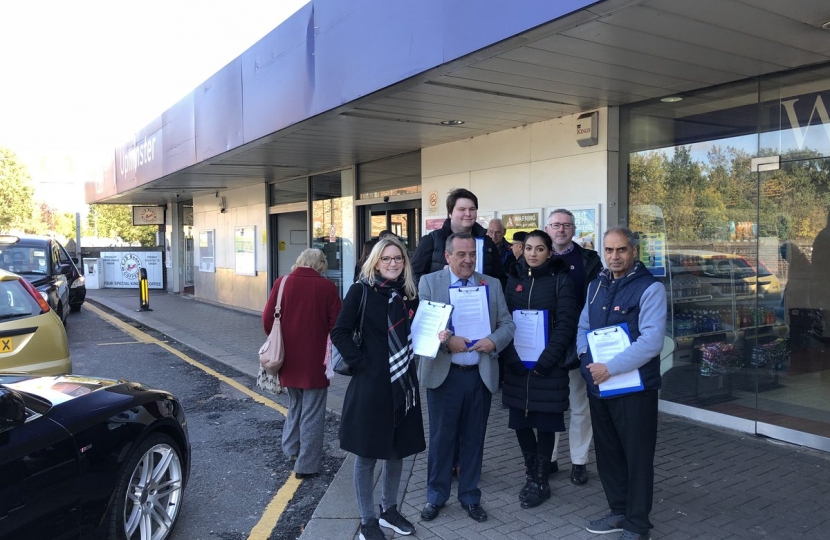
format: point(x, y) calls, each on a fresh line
point(276, 507)
point(272, 513)
point(141, 336)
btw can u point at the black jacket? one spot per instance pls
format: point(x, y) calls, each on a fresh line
point(592, 266)
point(367, 424)
point(429, 255)
point(545, 287)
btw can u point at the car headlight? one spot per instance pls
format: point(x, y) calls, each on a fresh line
point(78, 282)
point(44, 295)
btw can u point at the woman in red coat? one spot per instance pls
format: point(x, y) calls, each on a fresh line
point(310, 305)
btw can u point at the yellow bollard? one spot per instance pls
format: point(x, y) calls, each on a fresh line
point(144, 290)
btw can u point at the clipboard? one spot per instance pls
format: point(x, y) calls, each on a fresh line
point(604, 344)
point(530, 347)
point(430, 319)
point(468, 319)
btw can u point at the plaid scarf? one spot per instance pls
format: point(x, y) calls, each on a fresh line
point(399, 341)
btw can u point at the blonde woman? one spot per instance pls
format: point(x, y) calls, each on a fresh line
point(310, 305)
point(381, 411)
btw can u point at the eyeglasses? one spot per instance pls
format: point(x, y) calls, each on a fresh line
point(557, 226)
point(388, 260)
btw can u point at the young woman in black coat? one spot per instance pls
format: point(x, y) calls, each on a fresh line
point(538, 398)
point(382, 409)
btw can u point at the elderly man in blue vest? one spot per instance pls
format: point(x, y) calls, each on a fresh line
point(460, 382)
point(625, 425)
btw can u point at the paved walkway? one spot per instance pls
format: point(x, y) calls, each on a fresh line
point(710, 482)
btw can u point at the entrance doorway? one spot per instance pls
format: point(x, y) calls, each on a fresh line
point(402, 218)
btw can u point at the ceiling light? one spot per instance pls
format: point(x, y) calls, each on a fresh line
point(671, 99)
point(451, 122)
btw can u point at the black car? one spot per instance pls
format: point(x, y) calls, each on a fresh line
point(45, 264)
point(82, 457)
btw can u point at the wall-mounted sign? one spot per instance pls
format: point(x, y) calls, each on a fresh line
point(148, 215)
point(244, 242)
point(206, 254)
point(121, 269)
point(520, 220)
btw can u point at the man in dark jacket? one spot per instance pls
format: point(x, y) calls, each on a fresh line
point(625, 424)
point(584, 265)
point(462, 212)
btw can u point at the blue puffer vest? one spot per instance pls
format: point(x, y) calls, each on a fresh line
point(605, 295)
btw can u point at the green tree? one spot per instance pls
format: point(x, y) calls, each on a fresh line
point(116, 221)
point(16, 192)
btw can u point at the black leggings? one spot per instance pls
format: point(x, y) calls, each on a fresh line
point(531, 443)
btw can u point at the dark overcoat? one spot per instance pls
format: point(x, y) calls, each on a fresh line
point(367, 424)
point(545, 287)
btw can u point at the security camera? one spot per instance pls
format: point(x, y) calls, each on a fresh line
point(386, 198)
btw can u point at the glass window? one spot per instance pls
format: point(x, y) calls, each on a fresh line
point(736, 248)
point(400, 175)
point(333, 224)
point(292, 191)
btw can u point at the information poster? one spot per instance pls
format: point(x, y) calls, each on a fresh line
point(244, 242)
point(433, 224)
point(586, 221)
point(206, 254)
point(653, 253)
point(520, 220)
point(121, 269)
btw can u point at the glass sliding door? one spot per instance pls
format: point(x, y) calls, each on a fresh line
point(729, 193)
point(787, 379)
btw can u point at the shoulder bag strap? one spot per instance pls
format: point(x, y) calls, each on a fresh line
point(279, 298)
point(362, 309)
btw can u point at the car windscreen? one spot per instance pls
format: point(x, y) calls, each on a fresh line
point(15, 301)
point(25, 260)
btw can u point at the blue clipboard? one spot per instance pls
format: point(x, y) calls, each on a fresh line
point(487, 296)
point(531, 364)
point(636, 382)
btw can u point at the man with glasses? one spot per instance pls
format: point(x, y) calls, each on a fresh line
point(584, 265)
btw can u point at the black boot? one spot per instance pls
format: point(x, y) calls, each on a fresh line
point(530, 469)
point(539, 490)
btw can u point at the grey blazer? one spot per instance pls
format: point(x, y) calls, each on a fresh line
point(433, 371)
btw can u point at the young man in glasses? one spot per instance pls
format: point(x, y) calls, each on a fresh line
point(584, 265)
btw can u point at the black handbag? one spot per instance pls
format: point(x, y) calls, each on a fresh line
point(338, 363)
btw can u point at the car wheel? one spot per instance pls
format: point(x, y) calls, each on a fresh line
point(149, 494)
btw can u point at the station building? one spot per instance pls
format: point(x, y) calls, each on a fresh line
point(704, 126)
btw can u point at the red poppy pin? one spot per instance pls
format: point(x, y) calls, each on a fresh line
point(411, 313)
point(482, 282)
point(519, 288)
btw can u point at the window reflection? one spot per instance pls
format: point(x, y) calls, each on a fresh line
point(744, 255)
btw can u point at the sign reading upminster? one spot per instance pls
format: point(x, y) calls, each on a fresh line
point(121, 269)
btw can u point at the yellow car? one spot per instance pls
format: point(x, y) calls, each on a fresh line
point(32, 337)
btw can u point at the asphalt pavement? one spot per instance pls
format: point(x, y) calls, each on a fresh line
point(710, 482)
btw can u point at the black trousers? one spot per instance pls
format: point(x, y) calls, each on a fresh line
point(458, 412)
point(625, 438)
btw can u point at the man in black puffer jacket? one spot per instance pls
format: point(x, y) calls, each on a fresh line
point(462, 212)
point(584, 265)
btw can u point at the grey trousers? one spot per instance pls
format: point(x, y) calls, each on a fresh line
point(303, 431)
point(364, 477)
point(580, 430)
